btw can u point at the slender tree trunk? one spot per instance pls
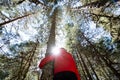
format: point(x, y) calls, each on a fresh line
point(25, 64)
point(106, 71)
point(112, 68)
point(101, 57)
point(92, 67)
point(80, 62)
point(105, 74)
point(48, 69)
point(86, 68)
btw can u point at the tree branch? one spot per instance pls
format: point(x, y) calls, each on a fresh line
point(96, 4)
point(6, 22)
point(110, 17)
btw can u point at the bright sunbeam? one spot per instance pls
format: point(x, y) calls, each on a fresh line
point(55, 51)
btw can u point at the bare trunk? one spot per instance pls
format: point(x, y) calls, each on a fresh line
point(91, 67)
point(86, 68)
point(48, 69)
point(25, 64)
point(108, 64)
point(80, 62)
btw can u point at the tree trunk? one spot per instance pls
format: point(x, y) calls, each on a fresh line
point(86, 68)
point(92, 67)
point(80, 62)
point(112, 68)
point(49, 68)
point(25, 64)
point(108, 64)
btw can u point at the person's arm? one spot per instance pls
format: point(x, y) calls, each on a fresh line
point(45, 61)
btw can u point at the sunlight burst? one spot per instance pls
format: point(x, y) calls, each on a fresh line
point(55, 51)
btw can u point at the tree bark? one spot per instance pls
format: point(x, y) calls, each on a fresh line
point(49, 68)
point(25, 64)
point(80, 62)
point(92, 67)
point(86, 68)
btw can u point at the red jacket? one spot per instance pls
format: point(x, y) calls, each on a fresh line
point(62, 62)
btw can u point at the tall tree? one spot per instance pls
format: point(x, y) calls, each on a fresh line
point(48, 70)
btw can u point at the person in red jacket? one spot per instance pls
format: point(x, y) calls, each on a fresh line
point(64, 66)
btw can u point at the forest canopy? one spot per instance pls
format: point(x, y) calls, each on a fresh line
point(89, 29)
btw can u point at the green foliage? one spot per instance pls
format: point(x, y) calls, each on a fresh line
point(21, 57)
